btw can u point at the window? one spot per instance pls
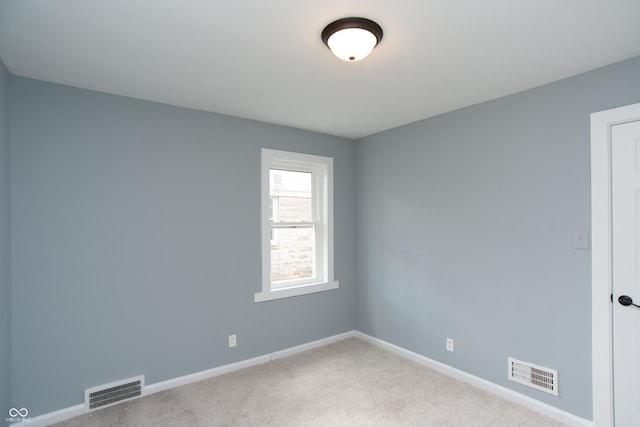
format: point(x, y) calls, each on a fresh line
point(297, 224)
point(273, 216)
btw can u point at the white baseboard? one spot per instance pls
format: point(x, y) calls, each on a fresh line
point(76, 410)
point(505, 393)
point(498, 390)
point(221, 370)
point(54, 417)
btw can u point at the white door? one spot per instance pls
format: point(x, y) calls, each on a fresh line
point(625, 202)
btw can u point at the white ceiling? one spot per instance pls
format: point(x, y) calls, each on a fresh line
point(264, 59)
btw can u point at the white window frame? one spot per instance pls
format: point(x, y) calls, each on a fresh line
point(321, 169)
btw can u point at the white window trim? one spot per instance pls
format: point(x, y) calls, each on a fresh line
point(274, 159)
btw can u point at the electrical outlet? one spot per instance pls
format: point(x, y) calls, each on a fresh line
point(232, 340)
point(449, 344)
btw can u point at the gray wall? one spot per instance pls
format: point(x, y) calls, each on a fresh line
point(132, 223)
point(5, 250)
point(136, 242)
point(465, 230)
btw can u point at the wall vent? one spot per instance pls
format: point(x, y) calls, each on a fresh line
point(538, 377)
point(110, 394)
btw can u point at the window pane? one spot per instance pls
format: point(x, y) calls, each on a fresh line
point(293, 192)
point(293, 257)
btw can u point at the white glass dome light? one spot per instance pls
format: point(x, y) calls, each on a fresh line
point(352, 39)
point(352, 44)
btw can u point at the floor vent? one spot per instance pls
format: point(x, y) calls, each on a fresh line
point(538, 377)
point(110, 394)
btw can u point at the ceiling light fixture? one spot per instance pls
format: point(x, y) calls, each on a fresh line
point(352, 39)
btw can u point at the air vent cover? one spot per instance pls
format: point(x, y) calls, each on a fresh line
point(109, 394)
point(538, 377)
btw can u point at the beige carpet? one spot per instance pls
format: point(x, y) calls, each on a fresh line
point(349, 383)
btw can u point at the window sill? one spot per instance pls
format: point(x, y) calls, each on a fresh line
point(295, 291)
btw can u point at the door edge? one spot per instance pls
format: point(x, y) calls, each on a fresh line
point(601, 257)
